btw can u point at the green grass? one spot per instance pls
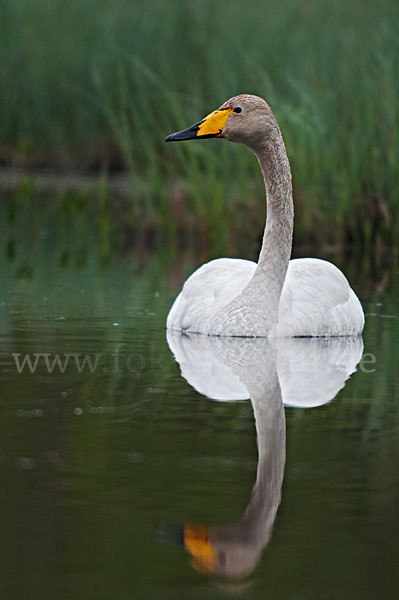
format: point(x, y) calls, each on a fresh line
point(98, 84)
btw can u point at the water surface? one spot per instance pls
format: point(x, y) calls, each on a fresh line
point(116, 473)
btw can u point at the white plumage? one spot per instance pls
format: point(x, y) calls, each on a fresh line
point(316, 300)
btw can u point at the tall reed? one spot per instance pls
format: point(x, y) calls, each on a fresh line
point(99, 84)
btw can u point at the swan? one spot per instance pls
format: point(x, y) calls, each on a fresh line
point(275, 297)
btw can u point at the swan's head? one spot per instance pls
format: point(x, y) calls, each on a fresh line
point(244, 119)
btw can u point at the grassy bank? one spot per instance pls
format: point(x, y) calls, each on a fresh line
point(97, 85)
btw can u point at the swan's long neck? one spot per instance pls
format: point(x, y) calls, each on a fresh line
point(254, 312)
point(275, 253)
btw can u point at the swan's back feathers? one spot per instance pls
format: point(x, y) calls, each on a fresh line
point(316, 300)
point(208, 289)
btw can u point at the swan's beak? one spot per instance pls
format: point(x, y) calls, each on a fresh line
point(210, 127)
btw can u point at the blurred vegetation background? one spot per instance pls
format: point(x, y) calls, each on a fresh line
point(96, 85)
point(88, 189)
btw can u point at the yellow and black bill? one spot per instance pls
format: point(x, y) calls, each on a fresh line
point(210, 127)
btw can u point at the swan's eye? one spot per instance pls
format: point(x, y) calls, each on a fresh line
point(238, 109)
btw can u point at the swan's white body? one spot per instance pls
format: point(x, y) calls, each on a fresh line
point(274, 297)
point(316, 300)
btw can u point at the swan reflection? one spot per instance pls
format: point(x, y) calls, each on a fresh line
point(296, 372)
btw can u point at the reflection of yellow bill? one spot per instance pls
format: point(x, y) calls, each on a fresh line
point(197, 544)
point(214, 122)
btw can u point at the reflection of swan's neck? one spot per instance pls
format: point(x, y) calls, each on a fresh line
point(268, 279)
point(266, 494)
point(243, 542)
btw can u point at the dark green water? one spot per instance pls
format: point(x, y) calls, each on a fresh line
point(107, 473)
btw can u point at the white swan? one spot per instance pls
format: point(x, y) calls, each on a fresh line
point(275, 296)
